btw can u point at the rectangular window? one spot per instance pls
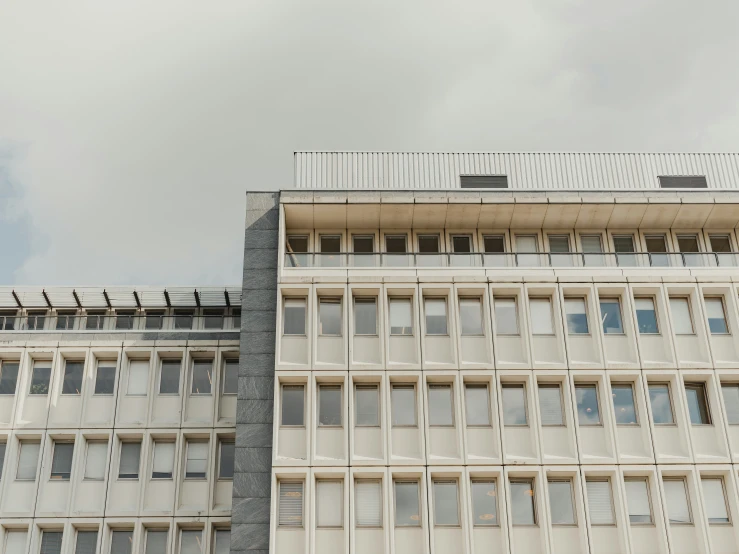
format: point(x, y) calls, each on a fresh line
point(95, 460)
point(138, 378)
point(202, 376)
point(183, 319)
point(541, 316)
point(191, 541)
point(330, 244)
point(329, 504)
point(440, 406)
point(559, 244)
point(51, 542)
point(716, 316)
point(730, 392)
point(290, 509)
point(682, 322)
point(236, 324)
point(329, 317)
point(646, 315)
point(8, 377)
point(196, 463)
point(577, 316)
point(124, 319)
point(36, 320)
point(366, 405)
point(697, 403)
point(2, 459)
point(522, 502)
point(395, 244)
point(121, 542)
point(40, 378)
point(156, 541)
point(623, 404)
point(461, 244)
point(28, 461)
point(514, 404)
point(428, 244)
point(213, 318)
point(436, 323)
point(676, 500)
point(365, 316)
point(368, 503)
point(105, 377)
point(720, 243)
point(657, 248)
point(477, 405)
point(600, 506)
point(688, 243)
point(294, 316)
point(95, 320)
point(484, 503)
point(154, 319)
point(403, 398)
point(223, 541)
point(169, 380)
point(446, 503)
point(401, 318)
point(550, 404)
point(526, 244)
point(128, 467)
point(293, 401)
point(163, 465)
point(363, 244)
point(661, 404)
point(65, 319)
point(61, 461)
point(72, 382)
point(297, 243)
point(230, 376)
point(226, 459)
point(623, 244)
point(470, 317)
point(329, 405)
point(15, 541)
point(588, 412)
point(637, 500)
point(610, 315)
point(560, 502)
point(715, 500)
point(592, 247)
point(407, 504)
point(494, 244)
point(87, 542)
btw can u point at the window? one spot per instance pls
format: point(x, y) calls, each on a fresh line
point(401, 319)
point(294, 317)
point(522, 502)
point(7, 320)
point(477, 404)
point(223, 541)
point(124, 319)
point(407, 510)
point(657, 248)
point(121, 541)
point(435, 316)
point(440, 406)
point(154, 319)
point(484, 503)
point(226, 459)
point(163, 465)
point(637, 500)
point(483, 181)
point(428, 244)
point(368, 503)
point(682, 321)
point(461, 244)
point(2, 459)
point(169, 380)
point(550, 404)
point(61, 461)
point(297, 243)
point(51, 542)
point(716, 316)
point(494, 244)
point(623, 244)
point(72, 382)
point(403, 398)
point(40, 378)
point(202, 376)
point(559, 244)
point(588, 412)
point(363, 244)
point(329, 405)
point(36, 320)
point(366, 405)
point(156, 541)
point(105, 378)
point(610, 315)
point(730, 393)
point(526, 250)
point(293, 399)
point(329, 317)
point(720, 243)
point(514, 404)
point(646, 315)
point(236, 324)
point(697, 403)
point(15, 541)
point(600, 506)
point(95, 320)
point(191, 541)
point(560, 502)
point(688, 243)
point(290, 509)
point(365, 316)
point(330, 244)
point(8, 377)
point(28, 461)
point(230, 376)
point(577, 316)
point(446, 503)
point(676, 500)
point(659, 400)
point(196, 464)
point(97, 454)
point(87, 542)
point(138, 378)
point(128, 467)
point(592, 247)
point(683, 182)
point(715, 500)
point(470, 316)
point(541, 316)
point(65, 319)
point(329, 504)
point(395, 244)
point(213, 318)
point(623, 404)
point(183, 319)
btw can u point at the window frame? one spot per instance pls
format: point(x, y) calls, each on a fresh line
point(480, 301)
point(78, 530)
point(169, 361)
point(188, 443)
point(132, 361)
point(683, 480)
point(45, 531)
point(182, 530)
point(726, 385)
point(300, 482)
point(304, 301)
point(637, 416)
point(419, 499)
point(703, 387)
point(67, 361)
point(193, 363)
point(3, 363)
point(115, 530)
point(377, 481)
point(114, 365)
point(644, 479)
point(608, 482)
point(22, 443)
point(665, 384)
point(599, 404)
point(386, 236)
point(120, 458)
point(340, 481)
point(49, 384)
point(727, 507)
point(409, 300)
point(560, 387)
point(88, 443)
point(485, 480)
point(228, 361)
point(155, 442)
point(221, 442)
point(486, 387)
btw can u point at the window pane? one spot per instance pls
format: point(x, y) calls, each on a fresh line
point(28, 461)
point(230, 376)
point(154, 319)
point(226, 460)
point(196, 464)
point(646, 316)
point(365, 316)
point(329, 317)
point(655, 244)
point(623, 244)
point(484, 503)
point(72, 383)
point(403, 405)
point(40, 378)
point(2, 458)
point(681, 320)
point(688, 243)
point(716, 316)
point(163, 460)
point(470, 316)
point(294, 317)
point(715, 500)
point(730, 392)
point(494, 244)
point(676, 500)
point(156, 541)
point(51, 542)
point(297, 244)
point(223, 541)
point(623, 404)
point(183, 319)
point(191, 542)
point(440, 405)
point(121, 542)
point(15, 541)
point(401, 320)
point(36, 320)
point(514, 405)
point(105, 378)
point(637, 500)
point(526, 244)
point(577, 317)
point(600, 506)
point(610, 315)
point(329, 503)
point(462, 244)
point(522, 503)
point(541, 316)
point(124, 319)
point(86, 542)
point(292, 404)
point(95, 462)
point(329, 407)
point(506, 316)
point(367, 408)
point(559, 243)
point(587, 404)
point(138, 378)
point(395, 244)
point(550, 404)
point(169, 382)
point(130, 460)
point(213, 319)
point(477, 405)
point(368, 503)
point(202, 376)
point(591, 244)
point(407, 511)
point(446, 509)
point(560, 503)
point(659, 399)
point(697, 403)
point(363, 244)
point(65, 320)
point(435, 316)
point(8, 377)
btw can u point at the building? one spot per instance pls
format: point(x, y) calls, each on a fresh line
point(439, 353)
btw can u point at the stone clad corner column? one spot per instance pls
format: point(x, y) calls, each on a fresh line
point(253, 464)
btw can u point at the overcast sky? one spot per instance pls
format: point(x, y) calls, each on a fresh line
point(130, 131)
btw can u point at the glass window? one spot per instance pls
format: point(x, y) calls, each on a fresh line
point(401, 319)
point(329, 317)
point(661, 403)
point(213, 318)
point(610, 315)
point(230, 376)
point(87, 542)
point(440, 406)
point(138, 378)
point(95, 460)
point(522, 502)
point(223, 541)
point(51, 542)
point(526, 244)
point(577, 316)
point(40, 378)
point(367, 405)
point(657, 248)
point(329, 503)
point(395, 244)
point(715, 499)
point(226, 459)
point(95, 320)
point(494, 244)
point(588, 412)
point(196, 463)
point(403, 398)
point(2, 459)
point(697, 403)
point(65, 319)
point(646, 315)
point(28, 461)
point(484, 503)
point(407, 511)
point(637, 500)
point(559, 244)
point(591, 244)
point(435, 316)
point(15, 541)
point(600, 506)
point(121, 542)
point(730, 393)
point(365, 316)
point(183, 319)
point(36, 320)
point(623, 403)
point(676, 500)
point(294, 317)
point(297, 243)
point(514, 404)
point(8, 377)
point(128, 467)
point(688, 243)
point(720, 243)
point(541, 316)
point(363, 244)
point(331, 244)
point(462, 244)
point(124, 319)
point(163, 465)
point(368, 503)
point(236, 324)
point(61, 461)
point(446, 503)
point(154, 319)
point(202, 376)
point(156, 541)
point(470, 316)
point(293, 399)
point(477, 404)
point(290, 510)
point(506, 316)
point(191, 542)
point(550, 404)
point(428, 244)
point(716, 316)
point(623, 244)
point(682, 321)
point(560, 502)
point(105, 378)
point(329, 405)
point(72, 382)
point(169, 381)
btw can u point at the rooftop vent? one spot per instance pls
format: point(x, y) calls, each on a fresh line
point(484, 181)
point(683, 182)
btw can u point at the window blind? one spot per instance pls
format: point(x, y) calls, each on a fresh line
point(541, 316)
point(86, 542)
point(51, 542)
point(97, 452)
point(681, 322)
point(714, 500)
point(15, 541)
point(637, 500)
point(435, 316)
point(676, 499)
point(470, 316)
point(130, 460)
point(163, 460)
point(368, 503)
point(156, 541)
point(28, 460)
point(506, 316)
point(401, 319)
point(191, 542)
point(550, 404)
point(329, 503)
point(600, 506)
point(290, 509)
point(197, 460)
point(731, 402)
point(138, 378)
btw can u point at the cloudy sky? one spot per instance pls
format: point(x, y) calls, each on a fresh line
point(129, 131)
